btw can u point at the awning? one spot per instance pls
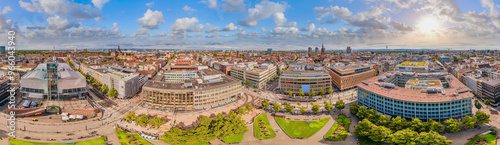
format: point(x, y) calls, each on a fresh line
point(79, 116)
point(64, 114)
point(34, 103)
point(72, 117)
point(65, 118)
point(26, 103)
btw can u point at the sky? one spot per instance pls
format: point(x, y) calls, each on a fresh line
point(252, 24)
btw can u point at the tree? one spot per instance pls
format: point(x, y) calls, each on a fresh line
point(205, 121)
point(433, 138)
point(478, 105)
point(241, 111)
point(482, 117)
point(417, 125)
point(469, 122)
point(298, 103)
point(91, 80)
point(247, 83)
point(362, 112)
point(112, 92)
point(340, 105)
point(435, 126)
point(143, 120)
point(406, 136)
point(303, 110)
point(289, 93)
point(372, 115)
point(321, 91)
point(104, 88)
point(315, 109)
point(289, 108)
point(312, 93)
point(285, 103)
point(354, 108)
point(328, 106)
point(398, 123)
point(272, 79)
point(265, 104)
point(249, 107)
point(452, 125)
point(300, 93)
point(379, 133)
point(130, 117)
point(330, 91)
point(157, 122)
point(97, 84)
point(487, 102)
point(455, 58)
point(383, 120)
point(364, 128)
point(277, 107)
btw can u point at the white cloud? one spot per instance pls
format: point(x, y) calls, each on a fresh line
point(233, 6)
point(188, 9)
point(183, 24)
point(263, 10)
point(400, 26)
point(99, 3)
point(150, 4)
point(403, 4)
point(279, 19)
point(211, 29)
point(230, 27)
point(291, 24)
point(61, 7)
point(151, 19)
point(263, 29)
point(6, 9)
point(210, 3)
point(58, 23)
point(197, 28)
point(284, 31)
point(340, 12)
point(310, 28)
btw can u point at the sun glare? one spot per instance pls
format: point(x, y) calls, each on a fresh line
point(429, 24)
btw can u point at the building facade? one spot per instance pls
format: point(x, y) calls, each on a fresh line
point(205, 90)
point(388, 96)
point(305, 77)
point(53, 81)
point(258, 77)
point(348, 76)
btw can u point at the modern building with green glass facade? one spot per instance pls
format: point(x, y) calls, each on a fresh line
point(436, 96)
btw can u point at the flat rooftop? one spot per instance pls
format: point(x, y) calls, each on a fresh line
point(424, 83)
point(351, 67)
point(456, 91)
point(413, 63)
point(191, 84)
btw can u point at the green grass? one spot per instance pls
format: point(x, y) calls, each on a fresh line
point(125, 138)
point(257, 129)
point(367, 141)
point(97, 141)
point(237, 138)
point(490, 137)
point(341, 118)
point(301, 129)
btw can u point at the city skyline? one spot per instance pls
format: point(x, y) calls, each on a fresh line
point(252, 25)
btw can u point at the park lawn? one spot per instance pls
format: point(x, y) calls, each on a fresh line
point(122, 135)
point(490, 137)
point(301, 129)
point(237, 138)
point(257, 129)
point(367, 141)
point(340, 119)
point(97, 141)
